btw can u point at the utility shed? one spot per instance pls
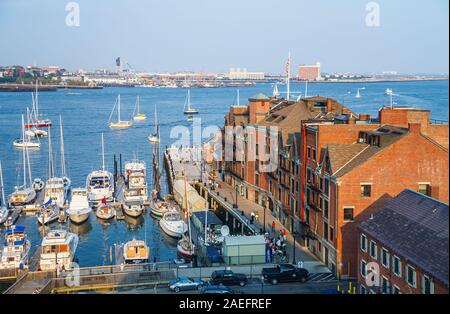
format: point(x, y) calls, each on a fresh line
point(242, 250)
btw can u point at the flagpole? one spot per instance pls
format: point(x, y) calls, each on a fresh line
point(288, 79)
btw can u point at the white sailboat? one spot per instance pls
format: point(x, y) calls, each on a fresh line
point(154, 138)
point(119, 124)
point(79, 208)
point(4, 212)
point(358, 94)
point(99, 183)
point(137, 115)
point(275, 93)
point(58, 250)
point(25, 141)
point(33, 131)
point(23, 195)
point(188, 109)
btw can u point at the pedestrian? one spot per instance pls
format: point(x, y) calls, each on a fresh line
point(252, 217)
point(273, 226)
point(284, 234)
point(257, 216)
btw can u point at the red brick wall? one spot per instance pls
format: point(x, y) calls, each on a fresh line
point(258, 111)
point(390, 172)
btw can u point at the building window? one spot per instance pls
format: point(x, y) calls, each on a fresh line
point(325, 208)
point(326, 186)
point(348, 213)
point(385, 258)
point(395, 289)
point(373, 250)
point(427, 285)
point(363, 268)
point(366, 190)
point(309, 152)
point(363, 243)
point(425, 189)
point(313, 154)
point(396, 266)
point(308, 175)
point(325, 230)
point(362, 289)
point(411, 276)
point(384, 285)
point(331, 234)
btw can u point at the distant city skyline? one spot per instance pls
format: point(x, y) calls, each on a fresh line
point(407, 37)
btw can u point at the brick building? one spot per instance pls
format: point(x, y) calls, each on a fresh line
point(309, 72)
point(408, 241)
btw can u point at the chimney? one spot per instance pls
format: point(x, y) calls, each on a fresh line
point(364, 117)
point(414, 127)
point(329, 105)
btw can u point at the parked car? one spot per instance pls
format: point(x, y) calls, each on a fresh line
point(185, 283)
point(285, 273)
point(210, 289)
point(227, 278)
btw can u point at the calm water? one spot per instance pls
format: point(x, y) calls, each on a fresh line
point(85, 116)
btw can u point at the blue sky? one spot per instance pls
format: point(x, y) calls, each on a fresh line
point(213, 35)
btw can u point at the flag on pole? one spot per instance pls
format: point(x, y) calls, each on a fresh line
point(288, 64)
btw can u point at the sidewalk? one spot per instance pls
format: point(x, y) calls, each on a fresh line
point(248, 206)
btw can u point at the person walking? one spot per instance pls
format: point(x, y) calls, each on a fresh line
point(252, 217)
point(257, 216)
point(273, 226)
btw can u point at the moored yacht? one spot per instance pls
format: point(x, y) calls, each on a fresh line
point(133, 208)
point(48, 214)
point(105, 211)
point(99, 183)
point(16, 248)
point(136, 252)
point(58, 250)
point(138, 116)
point(188, 109)
point(119, 124)
point(79, 208)
point(173, 225)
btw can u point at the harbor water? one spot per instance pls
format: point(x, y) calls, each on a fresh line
point(85, 116)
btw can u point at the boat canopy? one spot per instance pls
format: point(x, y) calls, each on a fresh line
point(15, 229)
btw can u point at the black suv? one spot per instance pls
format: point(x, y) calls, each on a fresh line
point(227, 278)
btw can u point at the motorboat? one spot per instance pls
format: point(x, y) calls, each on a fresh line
point(22, 196)
point(16, 248)
point(119, 124)
point(99, 183)
point(133, 208)
point(105, 212)
point(137, 115)
point(79, 208)
point(48, 214)
point(58, 250)
point(38, 184)
point(159, 207)
point(173, 225)
point(188, 109)
point(136, 252)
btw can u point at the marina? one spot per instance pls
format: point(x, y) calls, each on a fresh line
point(86, 155)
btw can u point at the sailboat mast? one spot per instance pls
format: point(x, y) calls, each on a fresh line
point(63, 160)
point(156, 121)
point(187, 208)
point(118, 109)
point(189, 99)
point(50, 155)
point(138, 109)
point(288, 77)
point(1, 183)
point(36, 101)
point(306, 88)
point(238, 101)
point(23, 154)
point(103, 155)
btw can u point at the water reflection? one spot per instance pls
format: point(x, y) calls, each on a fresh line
point(134, 223)
point(81, 230)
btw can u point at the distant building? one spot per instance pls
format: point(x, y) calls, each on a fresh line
point(243, 74)
point(309, 72)
point(408, 240)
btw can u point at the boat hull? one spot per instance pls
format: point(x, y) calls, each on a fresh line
point(133, 212)
point(174, 233)
point(184, 253)
point(79, 218)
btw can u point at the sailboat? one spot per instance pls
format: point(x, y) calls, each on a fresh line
point(275, 93)
point(137, 116)
point(4, 212)
point(188, 109)
point(358, 94)
point(23, 195)
point(154, 138)
point(185, 247)
point(99, 183)
point(25, 140)
point(37, 122)
point(57, 188)
point(119, 124)
point(33, 131)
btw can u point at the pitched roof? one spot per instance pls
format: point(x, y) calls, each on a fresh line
point(387, 136)
point(341, 154)
point(416, 227)
point(259, 96)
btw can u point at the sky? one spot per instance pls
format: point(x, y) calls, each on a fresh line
point(407, 36)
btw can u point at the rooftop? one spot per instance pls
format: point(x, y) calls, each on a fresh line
point(415, 226)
